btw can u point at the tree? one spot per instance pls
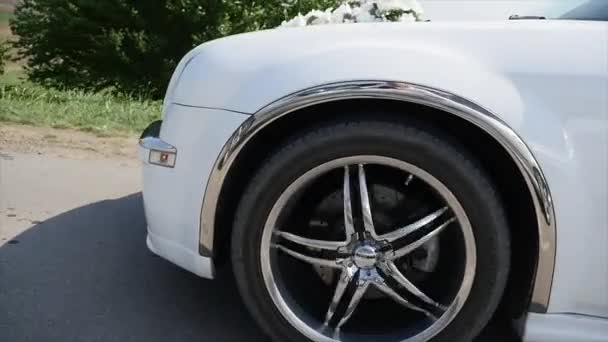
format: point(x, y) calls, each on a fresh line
point(131, 46)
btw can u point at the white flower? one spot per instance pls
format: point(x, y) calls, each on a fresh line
point(407, 18)
point(364, 13)
point(315, 17)
point(319, 17)
point(298, 21)
point(344, 13)
point(361, 12)
point(415, 6)
point(388, 5)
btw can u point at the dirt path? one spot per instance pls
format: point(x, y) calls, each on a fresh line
point(45, 172)
point(69, 144)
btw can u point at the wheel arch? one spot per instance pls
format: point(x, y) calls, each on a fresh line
point(480, 130)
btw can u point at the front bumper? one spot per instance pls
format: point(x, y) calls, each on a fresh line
point(165, 238)
point(174, 186)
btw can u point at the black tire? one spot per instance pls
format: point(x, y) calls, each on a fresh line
point(416, 143)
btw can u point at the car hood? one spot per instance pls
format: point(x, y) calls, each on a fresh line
point(246, 72)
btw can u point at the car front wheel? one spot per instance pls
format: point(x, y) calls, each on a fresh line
point(371, 230)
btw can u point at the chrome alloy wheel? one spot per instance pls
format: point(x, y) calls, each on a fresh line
point(370, 261)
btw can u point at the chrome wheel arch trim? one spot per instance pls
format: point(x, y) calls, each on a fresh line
point(405, 92)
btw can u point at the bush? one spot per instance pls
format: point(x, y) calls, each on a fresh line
point(4, 55)
point(131, 46)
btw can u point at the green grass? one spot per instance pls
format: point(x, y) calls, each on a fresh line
point(102, 113)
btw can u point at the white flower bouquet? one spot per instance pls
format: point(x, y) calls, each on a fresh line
point(360, 12)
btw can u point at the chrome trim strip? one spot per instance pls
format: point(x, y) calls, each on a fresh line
point(400, 91)
point(156, 144)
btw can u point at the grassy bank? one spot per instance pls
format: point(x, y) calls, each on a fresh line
point(102, 113)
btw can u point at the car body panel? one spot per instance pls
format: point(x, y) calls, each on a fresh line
point(565, 328)
point(547, 80)
point(173, 197)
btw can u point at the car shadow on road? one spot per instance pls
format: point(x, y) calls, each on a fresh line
point(86, 275)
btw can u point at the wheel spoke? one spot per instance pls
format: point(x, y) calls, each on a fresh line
point(349, 226)
point(312, 243)
point(343, 282)
point(315, 260)
point(366, 209)
point(351, 299)
point(352, 305)
point(396, 275)
point(410, 228)
point(418, 240)
point(387, 290)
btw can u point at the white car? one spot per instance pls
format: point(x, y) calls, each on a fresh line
point(393, 181)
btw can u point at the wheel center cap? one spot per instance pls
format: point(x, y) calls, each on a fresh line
point(365, 256)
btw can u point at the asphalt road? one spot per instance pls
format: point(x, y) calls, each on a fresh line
point(74, 265)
